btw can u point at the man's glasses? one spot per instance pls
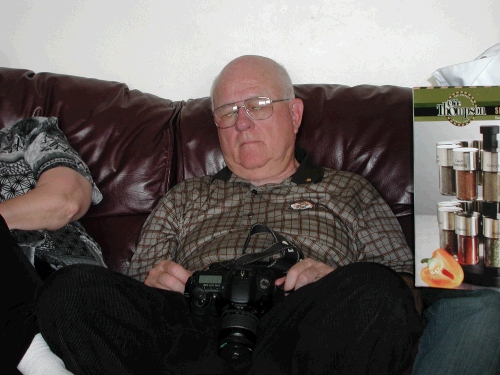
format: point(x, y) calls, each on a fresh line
point(259, 108)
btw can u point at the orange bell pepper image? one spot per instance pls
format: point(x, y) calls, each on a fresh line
point(442, 270)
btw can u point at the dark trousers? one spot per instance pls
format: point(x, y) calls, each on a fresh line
point(17, 319)
point(359, 319)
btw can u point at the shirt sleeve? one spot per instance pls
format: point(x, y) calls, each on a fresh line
point(47, 147)
point(159, 237)
point(378, 232)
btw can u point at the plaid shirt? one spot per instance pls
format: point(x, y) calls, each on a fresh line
point(335, 217)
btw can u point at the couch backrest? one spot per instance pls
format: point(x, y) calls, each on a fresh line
point(125, 137)
point(138, 145)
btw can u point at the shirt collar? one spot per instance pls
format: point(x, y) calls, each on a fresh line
point(307, 172)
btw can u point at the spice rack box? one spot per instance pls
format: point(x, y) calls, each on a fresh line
point(456, 156)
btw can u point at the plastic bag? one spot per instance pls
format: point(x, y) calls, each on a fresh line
point(483, 71)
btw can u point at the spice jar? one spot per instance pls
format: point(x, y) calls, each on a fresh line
point(464, 164)
point(491, 231)
point(477, 143)
point(488, 144)
point(490, 140)
point(446, 224)
point(467, 230)
point(480, 206)
point(491, 175)
point(444, 159)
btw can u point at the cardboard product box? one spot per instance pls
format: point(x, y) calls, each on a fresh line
point(456, 154)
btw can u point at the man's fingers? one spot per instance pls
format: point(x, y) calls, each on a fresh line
point(176, 270)
point(305, 272)
point(168, 275)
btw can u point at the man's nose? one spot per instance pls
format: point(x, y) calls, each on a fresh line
point(243, 121)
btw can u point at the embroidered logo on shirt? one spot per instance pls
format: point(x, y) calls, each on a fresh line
point(302, 205)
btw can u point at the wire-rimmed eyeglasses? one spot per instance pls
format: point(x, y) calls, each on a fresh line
point(258, 108)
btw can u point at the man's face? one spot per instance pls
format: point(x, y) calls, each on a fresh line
point(257, 149)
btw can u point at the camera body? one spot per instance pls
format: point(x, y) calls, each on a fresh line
point(238, 294)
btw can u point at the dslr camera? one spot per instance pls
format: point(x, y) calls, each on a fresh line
point(240, 295)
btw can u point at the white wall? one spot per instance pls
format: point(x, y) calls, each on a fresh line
point(175, 48)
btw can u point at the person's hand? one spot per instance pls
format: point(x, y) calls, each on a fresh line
point(302, 273)
point(168, 275)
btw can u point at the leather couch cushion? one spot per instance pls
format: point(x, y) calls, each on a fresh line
point(138, 145)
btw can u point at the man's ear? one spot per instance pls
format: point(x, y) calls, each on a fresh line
point(296, 110)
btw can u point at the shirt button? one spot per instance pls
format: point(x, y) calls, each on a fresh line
point(254, 192)
point(250, 215)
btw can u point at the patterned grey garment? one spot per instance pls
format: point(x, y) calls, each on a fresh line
point(27, 149)
point(333, 216)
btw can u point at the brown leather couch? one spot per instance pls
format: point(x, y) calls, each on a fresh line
point(138, 145)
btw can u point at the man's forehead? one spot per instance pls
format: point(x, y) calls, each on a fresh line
point(233, 91)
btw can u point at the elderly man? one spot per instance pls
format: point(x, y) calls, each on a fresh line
point(347, 310)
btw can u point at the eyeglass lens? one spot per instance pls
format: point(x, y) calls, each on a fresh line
point(259, 108)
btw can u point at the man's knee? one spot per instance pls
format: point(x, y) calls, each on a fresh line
point(369, 274)
point(371, 285)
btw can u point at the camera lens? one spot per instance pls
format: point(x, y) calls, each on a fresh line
point(237, 335)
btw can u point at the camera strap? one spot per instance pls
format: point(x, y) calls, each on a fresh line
point(289, 254)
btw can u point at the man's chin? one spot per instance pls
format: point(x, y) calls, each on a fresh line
point(252, 165)
point(249, 165)
point(253, 157)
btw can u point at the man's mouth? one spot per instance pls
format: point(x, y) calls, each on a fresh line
point(249, 142)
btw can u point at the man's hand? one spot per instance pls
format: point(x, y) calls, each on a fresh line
point(305, 272)
point(168, 275)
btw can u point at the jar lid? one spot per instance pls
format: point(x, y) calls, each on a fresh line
point(490, 161)
point(450, 203)
point(444, 154)
point(465, 158)
point(491, 227)
point(446, 217)
point(467, 223)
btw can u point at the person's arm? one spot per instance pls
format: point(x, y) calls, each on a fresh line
point(61, 195)
point(158, 240)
